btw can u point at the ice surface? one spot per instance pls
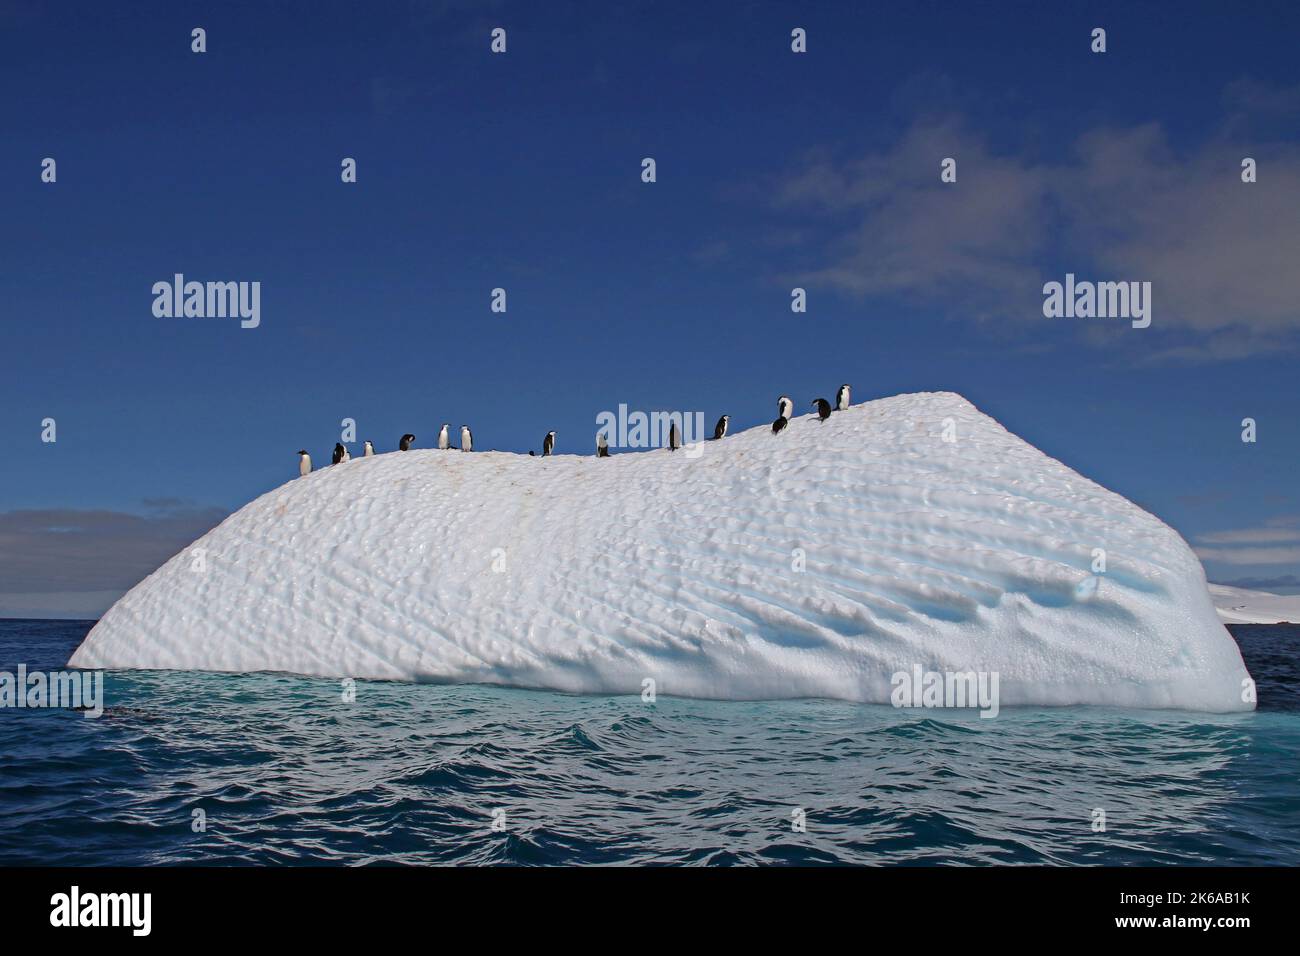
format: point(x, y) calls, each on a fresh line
point(591, 575)
point(1244, 606)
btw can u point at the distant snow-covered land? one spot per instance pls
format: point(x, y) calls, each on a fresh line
point(1242, 606)
point(911, 531)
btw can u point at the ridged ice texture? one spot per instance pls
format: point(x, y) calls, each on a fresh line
point(971, 554)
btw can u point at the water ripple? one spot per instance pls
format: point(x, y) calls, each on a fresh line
point(284, 771)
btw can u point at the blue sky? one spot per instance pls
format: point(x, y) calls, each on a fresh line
point(522, 171)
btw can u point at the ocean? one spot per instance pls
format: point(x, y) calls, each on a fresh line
point(220, 769)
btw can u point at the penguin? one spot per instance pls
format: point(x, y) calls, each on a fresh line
point(823, 408)
point(842, 399)
point(466, 438)
point(444, 439)
point(674, 437)
point(548, 444)
point(720, 429)
point(785, 407)
point(370, 450)
point(602, 445)
point(304, 462)
point(340, 453)
point(407, 441)
point(779, 424)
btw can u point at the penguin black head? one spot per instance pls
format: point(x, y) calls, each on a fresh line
point(302, 451)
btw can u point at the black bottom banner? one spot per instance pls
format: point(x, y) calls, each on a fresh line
point(341, 905)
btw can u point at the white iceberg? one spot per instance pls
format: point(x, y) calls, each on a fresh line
point(912, 531)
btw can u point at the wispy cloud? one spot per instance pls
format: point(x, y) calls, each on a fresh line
point(1250, 556)
point(1122, 204)
point(910, 235)
point(1276, 541)
point(76, 562)
point(1253, 536)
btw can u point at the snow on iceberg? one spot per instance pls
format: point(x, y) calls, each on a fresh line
point(814, 563)
point(1245, 606)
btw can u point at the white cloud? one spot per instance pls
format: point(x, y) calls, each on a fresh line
point(1253, 536)
point(1276, 541)
point(1120, 204)
point(1218, 252)
point(1250, 556)
point(920, 238)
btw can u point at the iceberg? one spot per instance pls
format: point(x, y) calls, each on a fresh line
point(907, 532)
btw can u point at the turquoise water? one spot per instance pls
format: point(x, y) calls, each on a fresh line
point(284, 771)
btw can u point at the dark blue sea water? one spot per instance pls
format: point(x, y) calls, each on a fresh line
point(285, 772)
